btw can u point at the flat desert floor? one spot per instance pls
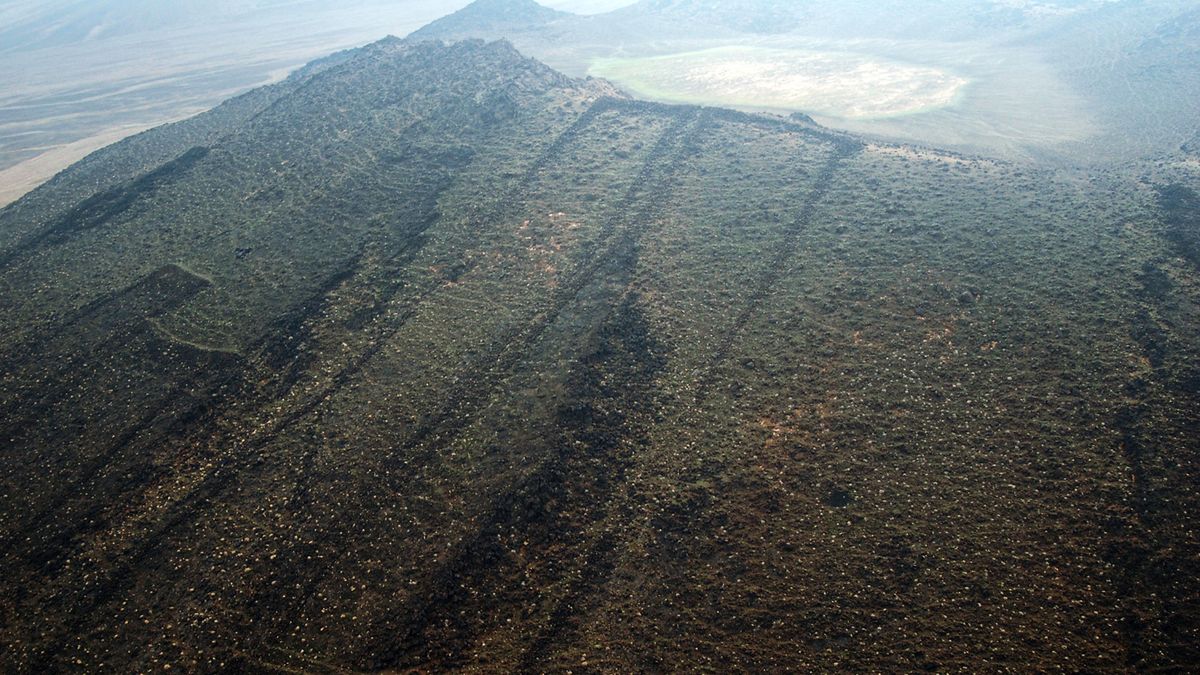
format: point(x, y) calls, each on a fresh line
point(975, 98)
point(836, 83)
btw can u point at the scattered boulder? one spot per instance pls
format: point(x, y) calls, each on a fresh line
point(839, 498)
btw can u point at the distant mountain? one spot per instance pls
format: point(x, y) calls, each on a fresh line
point(491, 19)
point(591, 6)
point(49, 23)
point(918, 19)
point(865, 18)
point(895, 19)
point(754, 16)
point(432, 358)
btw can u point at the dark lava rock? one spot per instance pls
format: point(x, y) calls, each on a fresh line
point(803, 119)
point(839, 498)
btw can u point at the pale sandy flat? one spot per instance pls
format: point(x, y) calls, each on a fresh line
point(18, 180)
point(843, 84)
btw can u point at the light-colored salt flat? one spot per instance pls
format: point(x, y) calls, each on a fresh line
point(843, 84)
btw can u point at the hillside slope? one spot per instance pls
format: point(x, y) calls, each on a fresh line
point(435, 358)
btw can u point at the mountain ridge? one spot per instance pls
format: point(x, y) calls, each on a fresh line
point(491, 19)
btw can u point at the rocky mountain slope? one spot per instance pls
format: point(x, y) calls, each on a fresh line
point(434, 358)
